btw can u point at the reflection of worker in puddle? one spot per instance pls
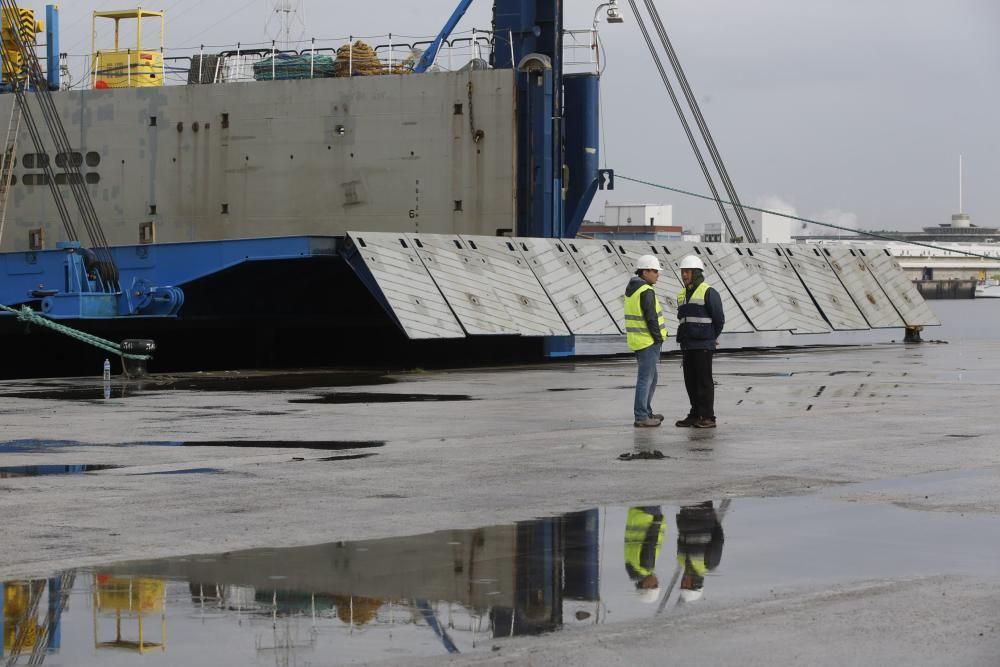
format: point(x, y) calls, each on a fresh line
point(699, 547)
point(644, 529)
point(356, 611)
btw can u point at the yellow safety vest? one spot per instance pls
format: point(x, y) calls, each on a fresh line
point(637, 526)
point(636, 329)
point(692, 316)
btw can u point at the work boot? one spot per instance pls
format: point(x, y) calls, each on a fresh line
point(647, 422)
point(687, 422)
point(704, 422)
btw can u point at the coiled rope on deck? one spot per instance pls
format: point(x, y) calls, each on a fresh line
point(27, 314)
point(875, 235)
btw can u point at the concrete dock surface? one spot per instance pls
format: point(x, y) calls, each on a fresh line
point(809, 446)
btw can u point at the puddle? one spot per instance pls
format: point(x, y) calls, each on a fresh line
point(329, 445)
point(347, 457)
point(459, 591)
point(35, 446)
point(45, 470)
point(185, 471)
point(208, 383)
point(348, 397)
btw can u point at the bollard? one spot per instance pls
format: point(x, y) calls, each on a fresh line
point(136, 368)
point(912, 335)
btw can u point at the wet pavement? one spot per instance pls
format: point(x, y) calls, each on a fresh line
point(858, 490)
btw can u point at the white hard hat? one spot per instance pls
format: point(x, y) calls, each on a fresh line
point(692, 262)
point(648, 262)
point(648, 595)
point(691, 596)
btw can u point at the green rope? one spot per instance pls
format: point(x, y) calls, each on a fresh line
point(26, 314)
point(811, 222)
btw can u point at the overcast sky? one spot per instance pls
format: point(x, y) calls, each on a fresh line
point(849, 111)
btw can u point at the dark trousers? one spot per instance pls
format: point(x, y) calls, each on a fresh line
point(699, 384)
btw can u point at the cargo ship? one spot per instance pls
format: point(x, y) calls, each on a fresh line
point(346, 203)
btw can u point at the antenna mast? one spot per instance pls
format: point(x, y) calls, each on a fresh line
point(285, 21)
point(959, 182)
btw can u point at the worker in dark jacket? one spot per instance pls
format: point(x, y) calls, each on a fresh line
point(699, 311)
point(699, 547)
point(645, 332)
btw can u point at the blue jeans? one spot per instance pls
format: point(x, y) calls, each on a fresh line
point(645, 381)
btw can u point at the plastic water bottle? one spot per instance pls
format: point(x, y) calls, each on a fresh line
point(107, 371)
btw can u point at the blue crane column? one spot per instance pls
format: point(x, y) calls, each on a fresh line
point(523, 27)
point(557, 127)
point(52, 46)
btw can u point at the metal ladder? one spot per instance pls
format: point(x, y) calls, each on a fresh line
point(8, 159)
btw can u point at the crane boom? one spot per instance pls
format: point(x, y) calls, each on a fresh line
point(427, 59)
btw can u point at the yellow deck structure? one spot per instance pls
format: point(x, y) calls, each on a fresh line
point(127, 67)
point(124, 598)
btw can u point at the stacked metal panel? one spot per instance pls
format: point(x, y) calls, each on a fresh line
point(450, 286)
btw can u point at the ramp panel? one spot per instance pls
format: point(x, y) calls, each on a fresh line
point(407, 289)
point(566, 286)
point(901, 292)
point(605, 272)
point(531, 310)
point(666, 287)
point(825, 288)
point(786, 287)
point(745, 278)
point(862, 286)
point(465, 279)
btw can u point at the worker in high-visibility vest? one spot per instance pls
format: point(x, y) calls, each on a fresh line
point(701, 319)
point(645, 332)
point(644, 530)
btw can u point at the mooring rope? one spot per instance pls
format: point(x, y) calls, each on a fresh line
point(27, 314)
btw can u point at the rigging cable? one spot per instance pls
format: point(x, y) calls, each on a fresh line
point(74, 178)
point(875, 235)
point(700, 120)
point(683, 118)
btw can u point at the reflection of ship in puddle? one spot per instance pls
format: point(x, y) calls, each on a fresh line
point(28, 627)
point(461, 586)
point(446, 592)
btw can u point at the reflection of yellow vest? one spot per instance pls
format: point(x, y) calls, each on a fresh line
point(636, 531)
point(636, 329)
point(695, 564)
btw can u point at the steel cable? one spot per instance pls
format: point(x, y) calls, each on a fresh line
point(682, 117)
point(700, 120)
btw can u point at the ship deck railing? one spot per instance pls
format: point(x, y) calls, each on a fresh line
point(233, 63)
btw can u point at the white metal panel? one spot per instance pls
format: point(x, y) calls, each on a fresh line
point(566, 286)
point(745, 278)
point(464, 278)
point(415, 301)
point(825, 287)
point(666, 287)
point(899, 288)
point(606, 273)
point(736, 320)
point(862, 287)
point(530, 308)
point(786, 286)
